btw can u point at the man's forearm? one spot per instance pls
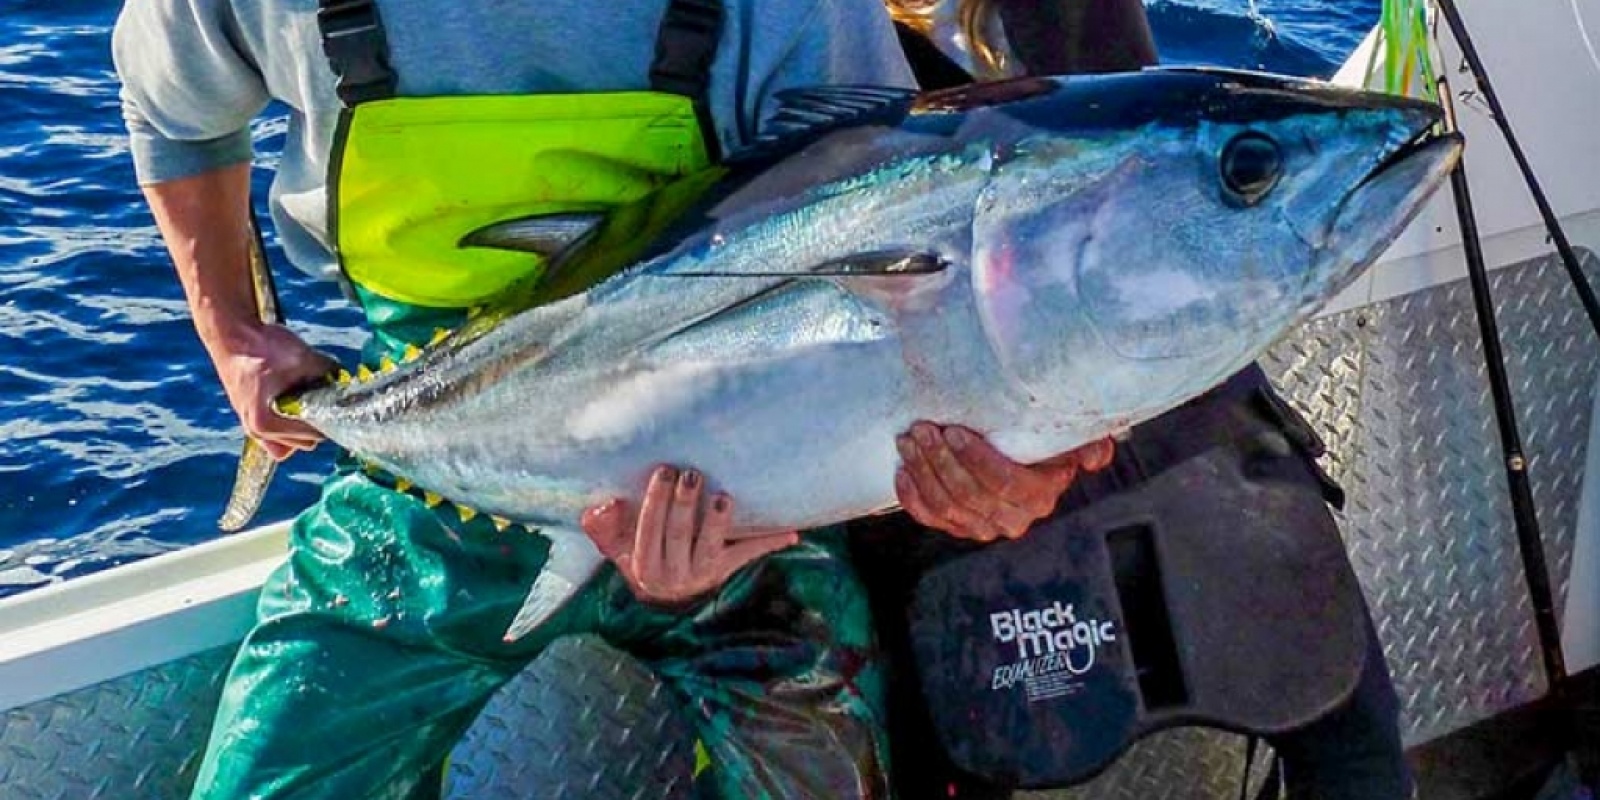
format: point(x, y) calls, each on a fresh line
point(204, 220)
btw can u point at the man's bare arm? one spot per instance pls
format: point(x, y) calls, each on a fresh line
point(204, 220)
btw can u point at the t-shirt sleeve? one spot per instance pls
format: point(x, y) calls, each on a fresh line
point(834, 43)
point(189, 89)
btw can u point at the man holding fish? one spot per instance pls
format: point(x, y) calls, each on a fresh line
point(399, 613)
point(382, 637)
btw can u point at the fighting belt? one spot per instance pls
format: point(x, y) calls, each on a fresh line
point(1216, 593)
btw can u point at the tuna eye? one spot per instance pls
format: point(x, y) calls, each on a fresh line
point(1251, 165)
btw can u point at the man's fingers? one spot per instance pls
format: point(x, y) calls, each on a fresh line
point(652, 519)
point(607, 527)
point(958, 522)
point(1012, 521)
point(911, 501)
point(283, 444)
point(278, 452)
point(919, 468)
point(937, 507)
point(679, 531)
point(1098, 455)
point(714, 531)
point(909, 489)
point(1060, 472)
point(320, 363)
point(1013, 483)
point(963, 489)
point(269, 424)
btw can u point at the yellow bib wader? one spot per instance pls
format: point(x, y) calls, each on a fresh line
point(380, 640)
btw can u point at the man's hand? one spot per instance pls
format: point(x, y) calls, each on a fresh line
point(205, 222)
point(256, 365)
point(952, 479)
point(675, 548)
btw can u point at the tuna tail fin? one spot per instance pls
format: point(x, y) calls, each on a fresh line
point(249, 487)
point(255, 465)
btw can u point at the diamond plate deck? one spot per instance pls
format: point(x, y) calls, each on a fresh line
point(1398, 389)
point(139, 736)
point(584, 721)
point(1429, 524)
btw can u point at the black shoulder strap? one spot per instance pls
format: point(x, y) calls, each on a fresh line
point(686, 44)
point(353, 41)
point(932, 68)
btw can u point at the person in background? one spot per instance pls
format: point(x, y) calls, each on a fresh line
point(1354, 752)
point(380, 639)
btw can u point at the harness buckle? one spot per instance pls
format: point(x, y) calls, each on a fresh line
point(353, 40)
point(684, 51)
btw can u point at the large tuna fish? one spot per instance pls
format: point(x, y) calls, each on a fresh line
point(1045, 261)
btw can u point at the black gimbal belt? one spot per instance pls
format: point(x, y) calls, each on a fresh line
point(1216, 593)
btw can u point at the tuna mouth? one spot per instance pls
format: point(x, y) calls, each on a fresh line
point(1379, 208)
point(1427, 140)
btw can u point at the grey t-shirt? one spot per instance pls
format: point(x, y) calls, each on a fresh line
point(195, 73)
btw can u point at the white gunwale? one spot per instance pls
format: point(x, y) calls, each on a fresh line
point(77, 633)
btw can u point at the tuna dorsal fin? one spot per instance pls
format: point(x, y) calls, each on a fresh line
point(558, 238)
point(876, 263)
point(619, 238)
point(255, 470)
point(805, 114)
point(546, 235)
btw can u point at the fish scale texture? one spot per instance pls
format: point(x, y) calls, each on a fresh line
point(1398, 390)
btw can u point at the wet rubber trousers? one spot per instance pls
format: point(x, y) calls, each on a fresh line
point(380, 640)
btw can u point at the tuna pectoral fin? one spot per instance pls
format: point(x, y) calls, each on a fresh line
point(572, 562)
point(249, 486)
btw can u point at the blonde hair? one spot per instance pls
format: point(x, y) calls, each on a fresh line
point(974, 18)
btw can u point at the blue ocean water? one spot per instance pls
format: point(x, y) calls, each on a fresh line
point(115, 440)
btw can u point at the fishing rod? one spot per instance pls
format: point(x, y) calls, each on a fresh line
point(1552, 223)
point(1529, 539)
point(1516, 462)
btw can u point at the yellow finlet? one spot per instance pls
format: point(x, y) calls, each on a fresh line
point(500, 523)
point(402, 485)
point(386, 364)
point(439, 335)
point(411, 353)
point(702, 757)
point(431, 500)
point(344, 377)
point(465, 513)
point(363, 374)
point(288, 406)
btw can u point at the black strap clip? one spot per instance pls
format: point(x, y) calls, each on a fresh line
point(353, 40)
point(685, 47)
point(686, 44)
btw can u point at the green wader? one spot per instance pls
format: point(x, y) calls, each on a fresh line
point(381, 638)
